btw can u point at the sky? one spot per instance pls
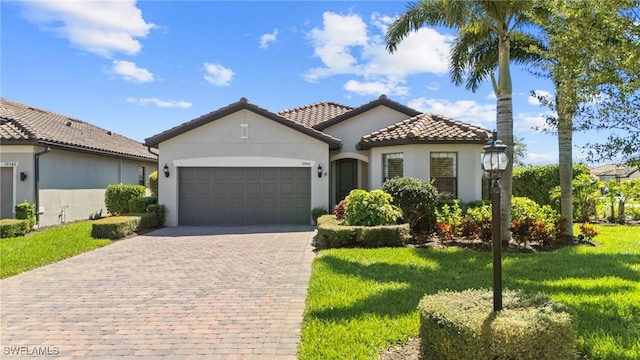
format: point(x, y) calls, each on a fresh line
point(140, 68)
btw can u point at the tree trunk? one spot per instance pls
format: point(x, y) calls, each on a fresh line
point(565, 160)
point(504, 120)
point(621, 212)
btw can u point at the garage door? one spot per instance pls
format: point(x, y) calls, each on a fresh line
point(244, 196)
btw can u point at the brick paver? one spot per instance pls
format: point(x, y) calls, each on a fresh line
point(184, 292)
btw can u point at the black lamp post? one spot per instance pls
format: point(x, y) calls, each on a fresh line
point(495, 162)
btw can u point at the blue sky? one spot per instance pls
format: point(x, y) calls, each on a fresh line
point(139, 68)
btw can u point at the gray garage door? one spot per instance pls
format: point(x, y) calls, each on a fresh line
point(244, 196)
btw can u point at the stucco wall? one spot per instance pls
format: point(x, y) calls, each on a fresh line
point(351, 130)
point(218, 144)
point(72, 184)
point(417, 163)
point(22, 156)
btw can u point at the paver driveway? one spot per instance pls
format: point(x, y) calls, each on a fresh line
point(185, 292)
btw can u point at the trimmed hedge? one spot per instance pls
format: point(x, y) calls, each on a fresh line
point(416, 198)
point(13, 227)
point(117, 196)
point(117, 227)
point(332, 234)
point(27, 211)
point(462, 325)
point(160, 211)
point(140, 204)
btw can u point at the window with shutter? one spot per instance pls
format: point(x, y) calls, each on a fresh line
point(444, 173)
point(393, 165)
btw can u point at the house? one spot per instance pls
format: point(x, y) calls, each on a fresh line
point(243, 164)
point(615, 172)
point(63, 165)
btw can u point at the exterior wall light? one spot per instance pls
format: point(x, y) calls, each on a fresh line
point(165, 169)
point(319, 170)
point(23, 176)
point(494, 161)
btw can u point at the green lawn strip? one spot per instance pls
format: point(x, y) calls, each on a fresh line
point(361, 301)
point(46, 246)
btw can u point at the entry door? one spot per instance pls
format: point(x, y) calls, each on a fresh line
point(6, 193)
point(347, 177)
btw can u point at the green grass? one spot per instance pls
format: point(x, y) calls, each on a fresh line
point(361, 301)
point(46, 246)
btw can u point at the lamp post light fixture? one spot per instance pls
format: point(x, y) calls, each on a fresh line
point(165, 169)
point(494, 161)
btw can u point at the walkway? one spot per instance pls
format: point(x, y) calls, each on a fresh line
point(176, 293)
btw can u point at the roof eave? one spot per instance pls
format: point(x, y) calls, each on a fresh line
point(381, 143)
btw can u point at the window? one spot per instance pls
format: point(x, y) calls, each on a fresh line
point(244, 131)
point(141, 175)
point(393, 166)
point(444, 173)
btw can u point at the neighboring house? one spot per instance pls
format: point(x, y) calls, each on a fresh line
point(615, 172)
point(243, 164)
point(63, 165)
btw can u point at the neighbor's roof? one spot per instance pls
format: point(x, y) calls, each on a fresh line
point(243, 104)
point(426, 128)
point(612, 170)
point(22, 124)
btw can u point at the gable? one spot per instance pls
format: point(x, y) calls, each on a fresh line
point(242, 105)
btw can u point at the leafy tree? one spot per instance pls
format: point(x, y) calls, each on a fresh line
point(629, 190)
point(486, 31)
point(519, 152)
point(576, 55)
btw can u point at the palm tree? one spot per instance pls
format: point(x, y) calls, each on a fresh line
point(482, 28)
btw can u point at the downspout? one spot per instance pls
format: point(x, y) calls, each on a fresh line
point(36, 158)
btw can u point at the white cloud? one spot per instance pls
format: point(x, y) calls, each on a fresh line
point(534, 100)
point(531, 123)
point(160, 103)
point(433, 86)
point(218, 75)
point(492, 96)
point(131, 72)
point(346, 45)
point(541, 158)
point(375, 88)
point(468, 111)
point(265, 39)
point(101, 27)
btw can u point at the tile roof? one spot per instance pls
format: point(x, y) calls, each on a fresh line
point(426, 128)
point(243, 104)
point(314, 114)
point(612, 170)
point(25, 124)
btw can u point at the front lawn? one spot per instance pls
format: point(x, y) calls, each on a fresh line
point(46, 246)
point(361, 301)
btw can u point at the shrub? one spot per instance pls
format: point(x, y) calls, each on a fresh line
point(477, 203)
point(462, 325)
point(316, 212)
point(160, 211)
point(450, 213)
point(588, 231)
point(140, 204)
point(534, 182)
point(417, 200)
point(13, 227)
point(339, 210)
point(444, 231)
point(370, 208)
point(147, 221)
point(26, 211)
point(153, 183)
point(332, 234)
point(114, 227)
point(116, 197)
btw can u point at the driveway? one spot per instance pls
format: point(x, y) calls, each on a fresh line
point(182, 292)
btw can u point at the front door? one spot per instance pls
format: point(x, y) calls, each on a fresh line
point(347, 172)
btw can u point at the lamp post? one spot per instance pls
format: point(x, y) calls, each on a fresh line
point(494, 161)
